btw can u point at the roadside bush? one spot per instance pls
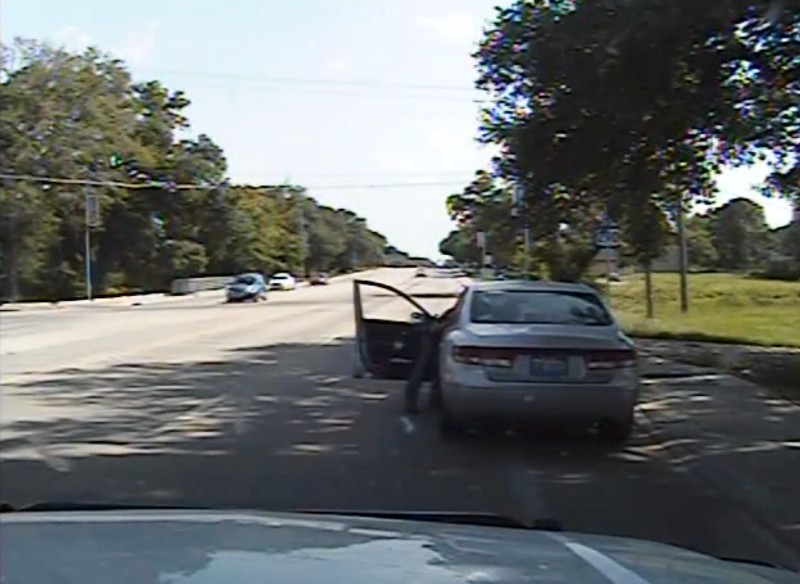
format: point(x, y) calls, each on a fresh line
point(784, 269)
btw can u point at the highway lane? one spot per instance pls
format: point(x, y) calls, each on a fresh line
point(48, 339)
point(255, 406)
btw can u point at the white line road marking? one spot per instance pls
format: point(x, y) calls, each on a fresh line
point(615, 572)
point(47, 452)
point(408, 425)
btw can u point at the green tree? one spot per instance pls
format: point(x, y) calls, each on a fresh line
point(600, 104)
point(79, 117)
point(460, 246)
point(701, 249)
point(740, 235)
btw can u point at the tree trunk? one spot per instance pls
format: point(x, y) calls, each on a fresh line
point(683, 258)
point(648, 287)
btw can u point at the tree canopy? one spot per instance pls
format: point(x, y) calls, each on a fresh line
point(628, 108)
point(167, 209)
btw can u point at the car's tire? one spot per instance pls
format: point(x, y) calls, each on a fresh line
point(616, 431)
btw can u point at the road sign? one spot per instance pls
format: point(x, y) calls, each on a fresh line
point(92, 210)
point(481, 239)
point(607, 238)
point(518, 195)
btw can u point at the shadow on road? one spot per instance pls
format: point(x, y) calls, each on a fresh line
point(287, 427)
point(282, 425)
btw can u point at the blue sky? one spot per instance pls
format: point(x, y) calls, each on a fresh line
point(342, 96)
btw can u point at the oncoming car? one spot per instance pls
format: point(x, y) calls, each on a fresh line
point(319, 279)
point(518, 351)
point(246, 287)
point(282, 281)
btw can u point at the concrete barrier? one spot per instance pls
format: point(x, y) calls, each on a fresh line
point(183, 286)
point(180, 287)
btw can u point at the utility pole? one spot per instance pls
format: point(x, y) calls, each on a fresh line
point(682, 255)
point(92, 219)
point(481, 242)
point(517, 200)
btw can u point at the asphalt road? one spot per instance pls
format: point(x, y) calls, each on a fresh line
point(196, 403)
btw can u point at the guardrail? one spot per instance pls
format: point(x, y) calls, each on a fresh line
point(182, 286)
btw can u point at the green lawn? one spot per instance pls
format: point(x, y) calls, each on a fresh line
point(722, 308)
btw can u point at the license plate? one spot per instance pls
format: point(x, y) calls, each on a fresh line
point(548, 368)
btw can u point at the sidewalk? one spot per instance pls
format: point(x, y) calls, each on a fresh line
point(739, 438)
point(133, 300)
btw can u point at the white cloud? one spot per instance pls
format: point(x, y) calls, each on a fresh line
point(72, 38)
point(339, 67)
point(138, 46)
point(457, 26)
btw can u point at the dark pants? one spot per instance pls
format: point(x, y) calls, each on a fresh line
point(426, 365)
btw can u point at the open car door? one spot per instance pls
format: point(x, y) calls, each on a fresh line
point(387, 347)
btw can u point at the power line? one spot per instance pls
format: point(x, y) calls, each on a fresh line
point(101, 183)
point(382, 175)
point(373, 84)
point(205, 186)
point(344, 92)
point(398, 185)
point(322, 86)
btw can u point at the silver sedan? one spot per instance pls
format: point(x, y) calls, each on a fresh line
point(520, 351)
point(537, 350)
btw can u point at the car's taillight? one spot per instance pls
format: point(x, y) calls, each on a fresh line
point(611, 359)
point(485, 356)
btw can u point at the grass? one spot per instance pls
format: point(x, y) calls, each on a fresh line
point(725, 308)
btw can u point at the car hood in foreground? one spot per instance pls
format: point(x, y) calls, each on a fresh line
point(145, 547)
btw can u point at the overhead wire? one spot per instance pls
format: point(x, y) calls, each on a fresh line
point(366, 83)
point(207, 186)
point(323, 86)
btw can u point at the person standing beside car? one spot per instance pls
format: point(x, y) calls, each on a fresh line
point(428, 358)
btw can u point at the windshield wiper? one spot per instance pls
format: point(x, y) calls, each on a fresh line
point(452, 517)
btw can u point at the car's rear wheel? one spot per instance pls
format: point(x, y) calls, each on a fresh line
point(616, 431)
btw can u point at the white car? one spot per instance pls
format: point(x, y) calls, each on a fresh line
point(282, 281)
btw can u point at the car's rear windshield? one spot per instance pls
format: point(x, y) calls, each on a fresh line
point(246, 280)
point(538, 307)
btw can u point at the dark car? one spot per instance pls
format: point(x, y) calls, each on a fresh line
point(249, 287)
point(320, 279)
